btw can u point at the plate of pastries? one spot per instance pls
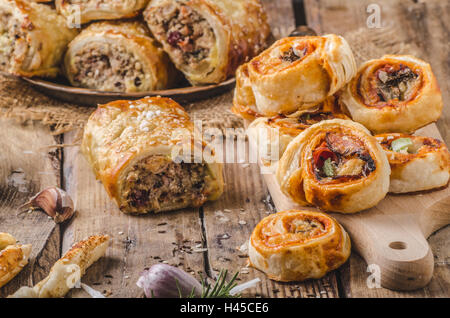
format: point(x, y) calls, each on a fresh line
point(97, 51)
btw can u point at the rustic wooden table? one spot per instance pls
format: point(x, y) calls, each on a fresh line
point(205, 240)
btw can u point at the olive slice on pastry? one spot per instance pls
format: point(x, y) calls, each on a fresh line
point(397, 93)
point(298, 245)
point(336, 165)
point(413, 157)
point(295, 73)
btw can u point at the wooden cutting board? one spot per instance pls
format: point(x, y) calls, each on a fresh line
point(391, 237)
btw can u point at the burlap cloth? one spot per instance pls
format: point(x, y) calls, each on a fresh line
point(21, 101)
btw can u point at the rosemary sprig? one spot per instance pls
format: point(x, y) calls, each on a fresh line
point(220, 289)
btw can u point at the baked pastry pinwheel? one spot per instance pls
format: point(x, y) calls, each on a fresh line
point(33, 38)
point(278, 131)
point(417, 163)
point(118, 57)
point(68, 270)
point(13, 257)
point(397, 93)
point(336, 165)
point(295, 73)
point(145, 154)
point(208, 39)
point(298, 245)
point(91, 10)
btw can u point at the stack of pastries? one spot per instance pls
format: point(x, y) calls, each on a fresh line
point(336, 137)
point(131, 46)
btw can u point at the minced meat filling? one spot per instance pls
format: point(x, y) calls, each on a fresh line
point(186, 31)
point(111, 67)
point(157, 180)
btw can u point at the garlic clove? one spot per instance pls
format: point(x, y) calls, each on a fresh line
point(53, 201)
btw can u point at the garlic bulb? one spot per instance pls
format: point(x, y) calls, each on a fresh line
point(53, 201)
point(165, 281)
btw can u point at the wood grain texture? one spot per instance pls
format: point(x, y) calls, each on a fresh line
point(424, 23)
point(137, 241)
point(20, 178)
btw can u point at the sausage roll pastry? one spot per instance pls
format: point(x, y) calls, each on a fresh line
point(89, 10)
point(413, 157)
point(208, 39)
point(118, 57)
point(397, 93)
point(6, 239)
point(33, 38)
point(277, 132)
point(68, 270)
point(335, 165)
point(135, 149)
point(298, 245)
point(12, 260)
point(295, 73)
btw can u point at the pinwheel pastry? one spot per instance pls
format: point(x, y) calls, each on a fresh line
point(335, 165)
point(13, 257)
point(118, 57)
point(298, 245)
point(89, 10)
point(145, 154)
point(295, 73)
point(275, 133)
point(68, 270)
point(33, 38)
point(208, 39)
point(397, 93)
point(413, 157)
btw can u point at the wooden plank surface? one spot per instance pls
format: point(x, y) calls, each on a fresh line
point(426, 24)
point(27, 166)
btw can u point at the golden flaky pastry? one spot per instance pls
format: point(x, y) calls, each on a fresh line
point(6, 239)
point(144, 153)
point(33, 38)
point(397, 93)
point(295, 73)
point(77, 11)
point(13, 257)
point(417, 163)
point(298, 245)
point(208, 39)
point(275, 133)
point(68, 270)
point(336, 165)
point(118, 57)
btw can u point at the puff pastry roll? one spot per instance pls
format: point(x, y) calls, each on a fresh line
point(397, 93)
point(278, 131)
point(335, 165)
point(135, 149)
point(89, 10)
point(298, 245)
point(208, 39)
point(68, 270)
point(13, 258)
point(6, 239)
point(33, 38)
point(118, 57)
point(413, 157)
point(295, 73)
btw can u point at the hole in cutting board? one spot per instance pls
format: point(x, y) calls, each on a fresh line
point(398, 245)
